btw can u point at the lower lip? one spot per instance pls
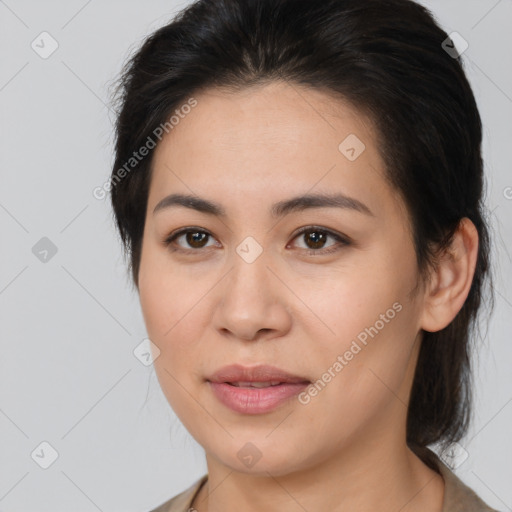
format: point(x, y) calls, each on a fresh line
point(255, 400)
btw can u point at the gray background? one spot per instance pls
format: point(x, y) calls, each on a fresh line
point(69, 325)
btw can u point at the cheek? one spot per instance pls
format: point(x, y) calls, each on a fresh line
point(173, 313)
point(368, 328)
point(359, 382)
point(157, 314)
point(165, 304)
point(346, 303)
point(163, 293)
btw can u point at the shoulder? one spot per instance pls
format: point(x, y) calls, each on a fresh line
point(458, 497)
point(182, 502)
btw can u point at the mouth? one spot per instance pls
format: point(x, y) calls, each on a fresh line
point(255, 376)
point(254, 384)
point(255, 390)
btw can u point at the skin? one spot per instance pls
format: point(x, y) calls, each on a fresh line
point(295, 309)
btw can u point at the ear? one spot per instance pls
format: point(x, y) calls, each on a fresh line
point(451, 281)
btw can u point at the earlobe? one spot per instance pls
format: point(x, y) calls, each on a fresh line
point(451, 280)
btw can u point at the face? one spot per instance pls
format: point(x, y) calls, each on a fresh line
point(319, 290)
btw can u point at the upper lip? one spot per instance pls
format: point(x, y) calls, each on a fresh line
point(260, 373)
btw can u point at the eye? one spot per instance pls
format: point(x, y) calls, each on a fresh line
point(316, 237)
point(194, 237)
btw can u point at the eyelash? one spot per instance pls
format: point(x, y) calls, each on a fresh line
point(342, 240)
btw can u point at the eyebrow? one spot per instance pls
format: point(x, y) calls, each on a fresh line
point(280, 209)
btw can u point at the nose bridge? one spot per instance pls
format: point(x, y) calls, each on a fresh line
point(249, 275)
point(251, 298)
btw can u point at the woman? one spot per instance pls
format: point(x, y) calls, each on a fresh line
point(298, 186)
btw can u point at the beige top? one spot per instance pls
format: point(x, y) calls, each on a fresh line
point(457, 496)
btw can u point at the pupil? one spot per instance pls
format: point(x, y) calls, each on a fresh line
point(195, 237)
point(318, 238)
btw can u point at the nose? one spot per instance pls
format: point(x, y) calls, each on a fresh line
point(252, 302)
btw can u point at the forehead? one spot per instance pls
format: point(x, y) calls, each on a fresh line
point(277, 114)
point(270, 141)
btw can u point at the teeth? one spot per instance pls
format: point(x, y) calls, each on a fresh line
point(255, 384)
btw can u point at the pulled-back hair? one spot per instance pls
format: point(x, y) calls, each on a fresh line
point(385, 57)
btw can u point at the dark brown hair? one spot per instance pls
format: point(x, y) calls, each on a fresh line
point(386, 58)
